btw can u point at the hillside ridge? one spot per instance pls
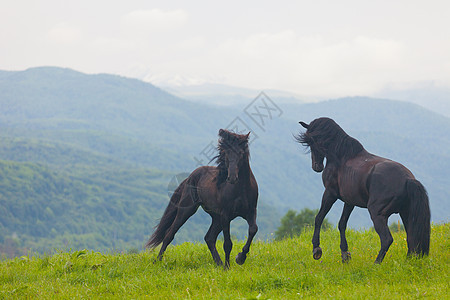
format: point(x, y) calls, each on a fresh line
point(107, 124)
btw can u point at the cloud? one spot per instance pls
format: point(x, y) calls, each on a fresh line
point(154, 20)
point(119, 46)
point(305, 64)
point(305, 49)
point(64, 33)
point(310, 63)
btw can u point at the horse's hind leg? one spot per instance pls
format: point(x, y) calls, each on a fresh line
point(342, 227)
point(211, 238)
point(381, 227)
point(252, 229)
point(405, 215)
point(183, 214)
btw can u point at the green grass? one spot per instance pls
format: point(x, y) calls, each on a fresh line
point(275, 270)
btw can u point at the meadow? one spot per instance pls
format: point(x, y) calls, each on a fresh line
point(274, 270)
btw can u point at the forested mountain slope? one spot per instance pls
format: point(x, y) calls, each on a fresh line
point(119, 141)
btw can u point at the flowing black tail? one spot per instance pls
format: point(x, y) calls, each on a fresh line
point(167, 219)
point(418, 230)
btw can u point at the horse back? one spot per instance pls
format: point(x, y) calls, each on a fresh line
point(388, 180)
point(360, 177)
point(204, 179)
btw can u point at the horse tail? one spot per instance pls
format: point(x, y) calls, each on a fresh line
point(418, 231)
point(167, 219)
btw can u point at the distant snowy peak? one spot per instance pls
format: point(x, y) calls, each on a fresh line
point(193, 87)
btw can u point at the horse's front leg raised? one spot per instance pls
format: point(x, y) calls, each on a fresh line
point(342, 227)
point(328, 199)
point(252, 229)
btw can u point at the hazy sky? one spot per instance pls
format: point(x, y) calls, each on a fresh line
point(327, 48)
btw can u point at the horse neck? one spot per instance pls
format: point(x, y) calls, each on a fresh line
point(244, 170)
point(345, 148)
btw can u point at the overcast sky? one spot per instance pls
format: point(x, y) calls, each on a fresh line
point(326, 48)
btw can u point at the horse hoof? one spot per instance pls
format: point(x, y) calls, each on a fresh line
point(317, 253)
point(346, 256)
point(240, 258)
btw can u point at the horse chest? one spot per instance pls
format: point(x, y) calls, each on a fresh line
point(235, 206)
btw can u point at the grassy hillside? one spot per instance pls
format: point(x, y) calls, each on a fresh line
point(275, 270)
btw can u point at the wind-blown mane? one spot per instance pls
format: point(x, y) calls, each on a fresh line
point(327, 137)
point(229, 141)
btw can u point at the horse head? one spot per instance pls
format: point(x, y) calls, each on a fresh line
point(317, 152)
point(233, 153)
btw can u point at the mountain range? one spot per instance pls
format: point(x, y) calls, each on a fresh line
point(429, 95)
point(100, 150)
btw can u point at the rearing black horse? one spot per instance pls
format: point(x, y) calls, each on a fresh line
point(224, 192)
point(362, 179)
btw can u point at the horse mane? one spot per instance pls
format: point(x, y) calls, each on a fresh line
point(229, 141)
point(327, 137)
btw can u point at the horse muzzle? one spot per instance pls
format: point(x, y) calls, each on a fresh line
point(317, 167)
point(232, 179)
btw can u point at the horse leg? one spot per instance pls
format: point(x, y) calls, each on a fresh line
point(227, 243)
point(381, 227)
point(405, 215)
point(211, 238)
point(342, 227)
point(327, 202)
point(183, 214)
point(252, 229)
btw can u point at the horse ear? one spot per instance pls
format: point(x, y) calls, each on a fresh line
point(247, 135)
point(304, 124)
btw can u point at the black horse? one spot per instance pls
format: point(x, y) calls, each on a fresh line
point(225, 192)
point(362, 179)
